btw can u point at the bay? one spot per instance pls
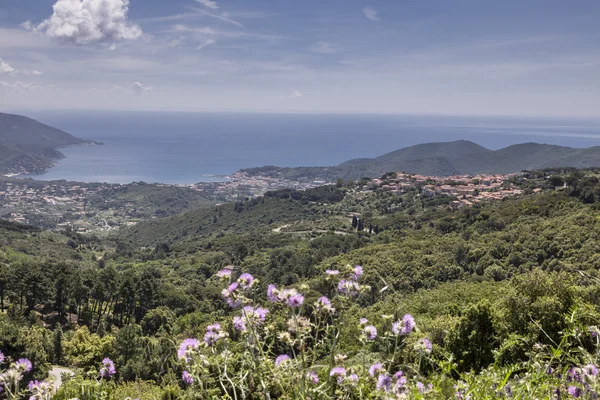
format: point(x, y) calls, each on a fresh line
point(179, 148)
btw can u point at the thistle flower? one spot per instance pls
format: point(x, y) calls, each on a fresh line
point(404, 326)
point(574, 391)
point(357, 272)
point(255, 315)
point(376, 369)
point(187, 378)
point(339, 373)
point(295, 301)
point(323, 304)
point(224, 274)
point(23, 365)
point(281, 359)
point(312, 377)
point(33, 384)
point(185, 347)
point(384, 382)
point(108, 368)
point(370, 332)
point(213, 334)
point(590, 370)
point(246, 281)
point(239, 324)
point(424, 345)
point(352, 379)
point(273, 293)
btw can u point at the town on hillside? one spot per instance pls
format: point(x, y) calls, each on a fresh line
point(93, 207)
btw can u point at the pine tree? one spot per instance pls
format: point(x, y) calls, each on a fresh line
point(57, 338)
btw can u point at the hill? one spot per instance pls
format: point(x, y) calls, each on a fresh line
point(449, 158)
point(27, 145)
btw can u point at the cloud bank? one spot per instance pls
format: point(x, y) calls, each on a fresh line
point(88, 21)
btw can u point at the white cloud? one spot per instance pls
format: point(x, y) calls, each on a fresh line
point(27, 25)
point(87, 21)
point(295, 94)
point(323, 48)
point(370, 13)
point(18, 86)
point(209, 4)
point(32, 72)
point(5, 67)
point(139, 88)
point(205, 43)
point(222, 17)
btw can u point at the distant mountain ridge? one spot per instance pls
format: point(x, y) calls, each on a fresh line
point(27, 145)
point(460, 157)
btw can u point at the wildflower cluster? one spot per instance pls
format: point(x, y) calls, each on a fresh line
point(10, 382)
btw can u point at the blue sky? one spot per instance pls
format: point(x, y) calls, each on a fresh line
point(467, 57)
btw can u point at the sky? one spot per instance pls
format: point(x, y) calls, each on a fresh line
point(459, 57)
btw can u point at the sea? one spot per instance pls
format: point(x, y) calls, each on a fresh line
point(184, 148)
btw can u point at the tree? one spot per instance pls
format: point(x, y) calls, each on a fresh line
point(354, 222)
point(57, 338)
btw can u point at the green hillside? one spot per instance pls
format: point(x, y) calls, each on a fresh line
point(450, 158)
point(28, 145)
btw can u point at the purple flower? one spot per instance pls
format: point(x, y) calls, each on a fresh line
point(312, 377)
point(339, 373)
point(23, 364)
point(213, 334)
point(233, 287)
point(185, 346)
point(281, 359)
point(1, 357)
point(272, 293)
point(239, 324)
point(324, 304)
point(357, 272)
point(424, 345)
point(33, 384)
point(295, 301)
point(187, 378)
point(246, 281)
point(332, 272)
point(224, 273)
point(590, 370)
point(370, 332)
point(376, 369)
point(211, 338)
point(363, 321)
point(405, 326)
point(420, 387)
point(352, 379)
point(398, 374)
point(256, 316)
point(574, 391)
point(108, 368)
point(384, 382)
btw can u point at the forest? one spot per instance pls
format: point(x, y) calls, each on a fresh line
point(323, 294)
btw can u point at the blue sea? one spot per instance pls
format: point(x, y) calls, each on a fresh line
point(182, 148)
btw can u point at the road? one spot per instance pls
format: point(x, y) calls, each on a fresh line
point(55, 375)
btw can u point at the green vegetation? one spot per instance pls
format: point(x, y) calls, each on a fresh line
point(446, 159)
point(27, 145)
point(504, 296)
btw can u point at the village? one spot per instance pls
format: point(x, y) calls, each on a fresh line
point(465, 188)
point(88, 207)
